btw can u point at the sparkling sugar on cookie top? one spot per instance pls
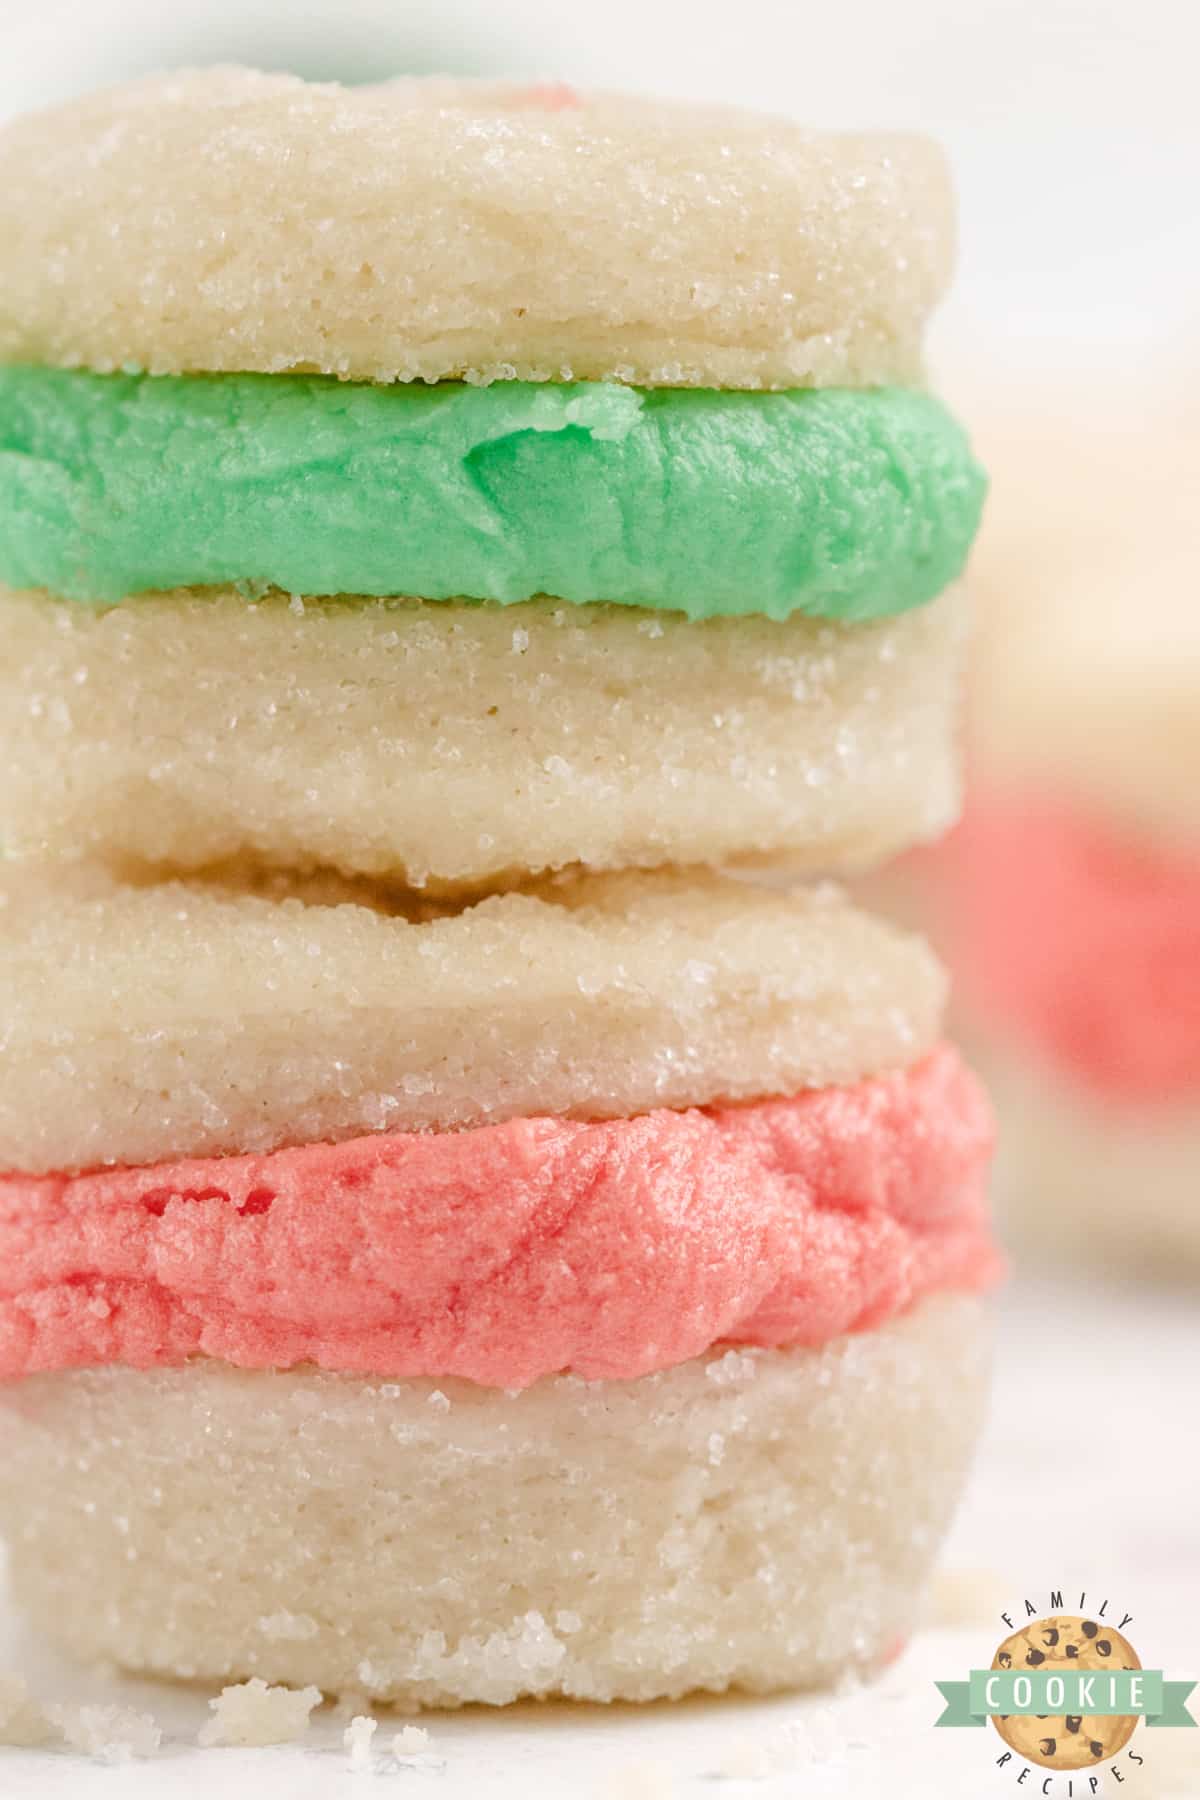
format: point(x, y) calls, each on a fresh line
point(424, 229)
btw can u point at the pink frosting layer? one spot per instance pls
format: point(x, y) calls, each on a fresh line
point(516, 1250)
point(1083, 942)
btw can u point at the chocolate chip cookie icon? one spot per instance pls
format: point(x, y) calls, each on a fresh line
point(1076, 1741)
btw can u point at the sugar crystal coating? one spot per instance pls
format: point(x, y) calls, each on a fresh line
point(457, 746)
point(514, 1251)
point(226, 219)
point(184, 1020)
point(436, 1549)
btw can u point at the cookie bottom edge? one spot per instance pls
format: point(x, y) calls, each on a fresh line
point(750, 1519)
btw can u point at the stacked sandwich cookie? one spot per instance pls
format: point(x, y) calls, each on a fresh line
point(773, 665)
point(1071, 891)
point(457, 1242)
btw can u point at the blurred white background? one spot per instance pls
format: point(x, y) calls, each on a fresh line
point(1073, 124)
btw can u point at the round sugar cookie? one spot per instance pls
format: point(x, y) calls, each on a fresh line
point(204, 1019)
point(440, 1543)
point(461, 746)
point(424, 229)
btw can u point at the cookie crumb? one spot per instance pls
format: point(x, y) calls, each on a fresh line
point(253, 1713)
point(411, 1741)
point(357, 1739)
point(110, 1734)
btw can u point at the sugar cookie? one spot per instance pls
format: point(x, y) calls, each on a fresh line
point(458, 747)
point(177, 1021)
point(225, 219)
point(438, 1543)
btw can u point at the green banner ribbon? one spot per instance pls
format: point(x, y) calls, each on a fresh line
point(1048, 1693)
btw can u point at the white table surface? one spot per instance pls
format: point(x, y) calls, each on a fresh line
point(1089, 1479)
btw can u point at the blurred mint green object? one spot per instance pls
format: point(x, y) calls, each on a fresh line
point(839, 503)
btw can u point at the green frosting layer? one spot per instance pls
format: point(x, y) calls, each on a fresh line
point(839, 503)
